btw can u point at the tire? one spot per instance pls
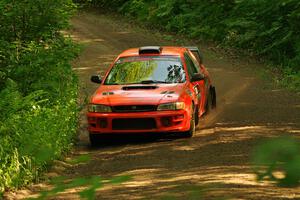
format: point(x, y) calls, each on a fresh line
point(214, 97)
point(197, 117)
point(208, 104)
point(211, 102)
point(94, 139)
point(191, 131)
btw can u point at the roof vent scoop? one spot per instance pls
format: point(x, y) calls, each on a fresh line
point(150, 50)
point(140, 87)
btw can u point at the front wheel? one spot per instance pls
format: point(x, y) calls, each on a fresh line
point(192, 130)
point(94, 139)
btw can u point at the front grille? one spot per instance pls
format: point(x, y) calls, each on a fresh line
point(134, 124)
point(134, 108)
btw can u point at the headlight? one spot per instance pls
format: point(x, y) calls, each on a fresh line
point(171, 106)
point(98, 108)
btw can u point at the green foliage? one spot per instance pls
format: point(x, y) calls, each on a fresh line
point(281, 155)
point(290, 78)
point(41, 118)
point(38, 89)
point(33, 20)
point(268, 29)
point(80, 159)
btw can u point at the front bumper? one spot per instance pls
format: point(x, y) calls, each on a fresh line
point(156, 121)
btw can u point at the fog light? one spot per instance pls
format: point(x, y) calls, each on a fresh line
point(166, 121)
point(92, 125)
point(178, 118)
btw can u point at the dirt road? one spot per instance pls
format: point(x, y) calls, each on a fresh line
point(217, 157)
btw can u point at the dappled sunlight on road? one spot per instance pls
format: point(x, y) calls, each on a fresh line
point(216, 159)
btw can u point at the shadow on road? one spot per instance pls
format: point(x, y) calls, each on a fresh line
point(119, 140)
point(216, 160)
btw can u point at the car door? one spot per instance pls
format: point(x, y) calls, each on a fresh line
point(198, 86)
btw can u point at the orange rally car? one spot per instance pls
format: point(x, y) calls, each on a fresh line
point(151, 89)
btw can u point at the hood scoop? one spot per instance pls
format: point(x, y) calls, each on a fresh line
point(140, 87)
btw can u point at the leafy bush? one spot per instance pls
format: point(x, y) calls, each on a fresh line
point(38, 89)
point(43, 114)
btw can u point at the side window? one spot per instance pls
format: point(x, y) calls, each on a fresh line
point(192, 69)
point(195, 61)
point(197, 56)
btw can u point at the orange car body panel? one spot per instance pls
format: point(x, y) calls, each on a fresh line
point(183, 92)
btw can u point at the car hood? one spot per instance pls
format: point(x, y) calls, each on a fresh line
point(137, 94)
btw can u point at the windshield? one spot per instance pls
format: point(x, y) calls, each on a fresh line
point(146, 70)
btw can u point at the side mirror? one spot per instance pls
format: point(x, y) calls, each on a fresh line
point(96, 79)
point(197, 77)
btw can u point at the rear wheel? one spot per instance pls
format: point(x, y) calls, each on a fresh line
point(214, 97)
point(211, 102)
point(197, 116)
